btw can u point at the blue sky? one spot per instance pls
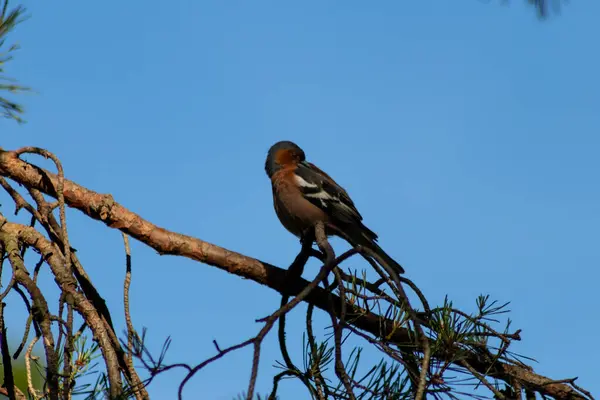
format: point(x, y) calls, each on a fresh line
point(466, 132)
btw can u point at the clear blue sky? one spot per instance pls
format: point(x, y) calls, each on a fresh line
point(465, 131)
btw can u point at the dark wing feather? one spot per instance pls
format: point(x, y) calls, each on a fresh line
point(321, 190)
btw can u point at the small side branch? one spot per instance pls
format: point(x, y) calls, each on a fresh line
point(137, 386)
point(32, 392)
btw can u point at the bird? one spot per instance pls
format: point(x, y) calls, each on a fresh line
point(304, 195)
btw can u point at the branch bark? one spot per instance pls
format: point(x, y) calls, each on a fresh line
point(103, 208)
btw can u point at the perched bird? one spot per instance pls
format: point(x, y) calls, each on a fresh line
point(303, 195)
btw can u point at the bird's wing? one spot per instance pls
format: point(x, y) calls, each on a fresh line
point(322, 191)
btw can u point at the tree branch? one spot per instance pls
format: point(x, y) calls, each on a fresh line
point(105, 209)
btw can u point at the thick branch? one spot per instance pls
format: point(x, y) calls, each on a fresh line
point(105, 209)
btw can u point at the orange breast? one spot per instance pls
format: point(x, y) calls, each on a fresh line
point(295, 212)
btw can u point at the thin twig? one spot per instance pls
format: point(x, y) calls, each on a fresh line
point(131, 332)
point(340, 370)
point(203, 364)
point(585, 392)
point(294, 271)
point(30, 388)
point(322, 389)
point(482, 379)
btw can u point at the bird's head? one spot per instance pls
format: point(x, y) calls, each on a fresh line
point(281, 154)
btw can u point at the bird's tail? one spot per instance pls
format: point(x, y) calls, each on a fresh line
point(363, 236)
point(386, 258)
